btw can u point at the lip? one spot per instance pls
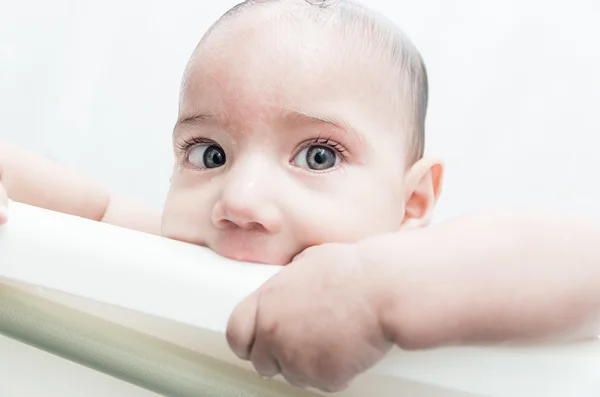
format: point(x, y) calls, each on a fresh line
point(242, 256)
point(256, 247)
point(249, 251)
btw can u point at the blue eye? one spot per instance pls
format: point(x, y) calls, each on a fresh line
point(317, 158)
point(206, 156)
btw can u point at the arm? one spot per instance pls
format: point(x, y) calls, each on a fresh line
point(37, 181)
point(488, 278)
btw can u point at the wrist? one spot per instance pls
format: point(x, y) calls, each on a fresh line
point(404, 290)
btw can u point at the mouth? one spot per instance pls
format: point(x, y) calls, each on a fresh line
point(246, 258)
point(264, 253)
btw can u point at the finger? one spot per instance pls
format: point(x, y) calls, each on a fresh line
point(3, 205)
point(291, 369)
point(263, 361)
point(298, 256)
point(241, 328)
point(333, 388)
point(294, 380)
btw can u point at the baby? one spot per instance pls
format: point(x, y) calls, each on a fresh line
point(300, 142)
point(289, 136)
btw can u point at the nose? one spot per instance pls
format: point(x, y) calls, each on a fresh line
point(247, 202)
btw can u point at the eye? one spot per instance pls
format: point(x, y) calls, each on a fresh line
point(206, 156)
point(317, 158)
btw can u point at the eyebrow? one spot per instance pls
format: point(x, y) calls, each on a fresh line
point(334, 120)
point(199, 118)
point(194, 120)
point(331, 119)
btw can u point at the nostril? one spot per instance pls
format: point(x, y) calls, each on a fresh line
point(250, 226)
point(258, 216)
point(226, 224)
point(254, 226)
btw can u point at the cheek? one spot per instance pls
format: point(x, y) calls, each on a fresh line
point(186, 215)
point(357, 208)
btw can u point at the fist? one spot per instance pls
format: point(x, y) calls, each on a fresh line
point(315, 322)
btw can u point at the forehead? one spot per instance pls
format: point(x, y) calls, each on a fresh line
point(256, 63)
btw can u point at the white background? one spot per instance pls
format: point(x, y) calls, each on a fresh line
point(514, 92)
point(94, 84)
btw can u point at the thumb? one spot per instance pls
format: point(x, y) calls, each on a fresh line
point(241, 327)
point(3, 205)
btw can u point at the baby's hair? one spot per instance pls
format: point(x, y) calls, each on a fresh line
point(384, 40)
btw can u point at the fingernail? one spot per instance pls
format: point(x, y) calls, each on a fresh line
point(265, 378)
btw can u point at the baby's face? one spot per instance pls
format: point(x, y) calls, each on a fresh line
point(282, 143)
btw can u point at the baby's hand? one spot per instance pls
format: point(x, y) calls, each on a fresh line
point(315, 322)
point(3, 205)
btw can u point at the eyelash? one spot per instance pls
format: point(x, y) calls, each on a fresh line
point(326, 142)
point(186, 144)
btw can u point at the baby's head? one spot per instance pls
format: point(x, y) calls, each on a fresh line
point(300, 123)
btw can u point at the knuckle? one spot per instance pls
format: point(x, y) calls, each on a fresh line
point(270, 329)
point(268, 290)
point(232, 335)
point(233, 332)
point(334, 388)
point(237, 341)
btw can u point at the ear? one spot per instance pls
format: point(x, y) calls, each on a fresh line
point(422, 187)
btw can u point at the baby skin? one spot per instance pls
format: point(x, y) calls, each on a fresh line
point(298, 144)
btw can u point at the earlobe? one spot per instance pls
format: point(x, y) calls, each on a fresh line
point(422, 187)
